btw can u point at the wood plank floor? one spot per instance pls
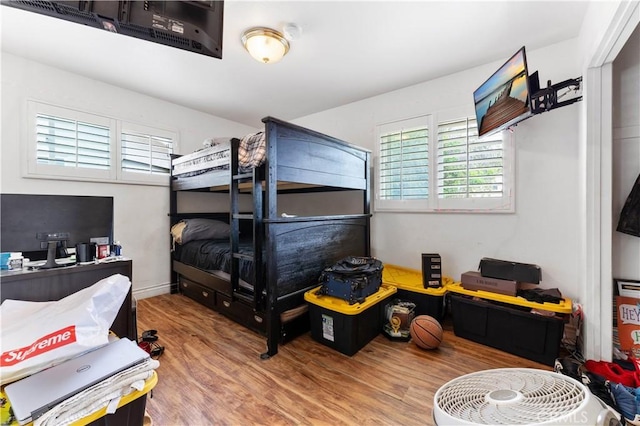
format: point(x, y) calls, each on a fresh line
point(211, 373)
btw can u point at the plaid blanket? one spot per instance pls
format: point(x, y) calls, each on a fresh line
point(251, 152)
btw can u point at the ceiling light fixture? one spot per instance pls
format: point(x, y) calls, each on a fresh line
point(265, 45)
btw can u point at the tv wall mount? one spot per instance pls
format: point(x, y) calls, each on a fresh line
point(546, 99)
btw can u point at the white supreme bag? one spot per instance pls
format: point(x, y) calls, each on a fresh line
point(39, 335)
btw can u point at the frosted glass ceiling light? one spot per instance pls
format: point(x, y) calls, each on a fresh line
point(265, 45)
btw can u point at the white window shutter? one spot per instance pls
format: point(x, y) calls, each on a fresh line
point(146, 153)
point(77, 145)
point(404, 164)
point(70, 143)
point(469, 167)
point(437, 163)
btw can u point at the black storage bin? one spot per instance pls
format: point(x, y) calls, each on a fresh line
point(409, 282)
point(519, 332)
point(426, 304)
point(345, 327)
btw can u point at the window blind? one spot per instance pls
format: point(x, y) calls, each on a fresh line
point(145, 153)
point(468, 167)
point(71, 143)
point(404, 164)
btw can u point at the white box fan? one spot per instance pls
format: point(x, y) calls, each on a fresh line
point(518, 396)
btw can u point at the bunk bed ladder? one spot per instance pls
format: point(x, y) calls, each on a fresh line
point(270, 213)
point(173, 211)
point(256, 298)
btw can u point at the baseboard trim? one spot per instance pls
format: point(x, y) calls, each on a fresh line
point(155, 290)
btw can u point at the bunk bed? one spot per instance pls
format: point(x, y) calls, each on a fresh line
point(269, 260)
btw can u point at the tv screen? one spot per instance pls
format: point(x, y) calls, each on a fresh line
point(503, 100)
point(195, 26)
point(30, 220)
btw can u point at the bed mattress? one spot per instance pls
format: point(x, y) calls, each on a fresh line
point(215, 255)
point(216, 157)
point(252, 152)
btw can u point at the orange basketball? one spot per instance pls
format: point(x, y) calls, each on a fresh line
point(426, 332)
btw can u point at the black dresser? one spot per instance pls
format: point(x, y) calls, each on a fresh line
point(54, 284)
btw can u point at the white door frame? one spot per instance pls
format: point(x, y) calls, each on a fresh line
point(597, 190)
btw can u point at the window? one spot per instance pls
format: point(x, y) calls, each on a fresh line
point(468, 167)
point(145, 153)
point(71, 143)
point(463, 173)
point(68, 144)
point(403, 164)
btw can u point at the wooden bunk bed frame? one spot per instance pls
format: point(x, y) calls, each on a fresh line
point(289, 253)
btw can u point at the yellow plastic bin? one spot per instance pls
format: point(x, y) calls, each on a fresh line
point(344, 327)
point(130, 411)
point(429, 301)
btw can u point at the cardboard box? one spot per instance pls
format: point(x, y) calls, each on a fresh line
point(473, 280)
point(510, 271)
point(628, 288)
point(628, 322)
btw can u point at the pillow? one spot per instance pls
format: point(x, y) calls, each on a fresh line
point(176, 231)
point(199, 229)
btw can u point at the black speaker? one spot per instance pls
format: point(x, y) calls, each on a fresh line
point(85, 252)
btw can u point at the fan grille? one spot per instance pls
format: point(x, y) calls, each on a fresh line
point(510, 396)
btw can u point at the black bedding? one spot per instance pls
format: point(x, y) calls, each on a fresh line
point(215, 255)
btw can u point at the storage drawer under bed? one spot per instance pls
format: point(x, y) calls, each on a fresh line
point(198, 293)
point(208, 279)
point(241, 312)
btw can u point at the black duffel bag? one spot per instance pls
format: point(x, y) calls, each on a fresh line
point(352, 279)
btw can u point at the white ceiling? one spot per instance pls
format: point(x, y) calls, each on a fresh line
point(348, 51)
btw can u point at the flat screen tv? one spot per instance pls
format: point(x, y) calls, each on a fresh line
point(29, 222)
point(504, 99)
point(195, 26)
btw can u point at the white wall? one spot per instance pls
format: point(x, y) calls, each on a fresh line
point(626, 152)
point(543, 230)
point(141, 222)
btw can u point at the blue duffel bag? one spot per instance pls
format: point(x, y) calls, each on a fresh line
point(352, 279)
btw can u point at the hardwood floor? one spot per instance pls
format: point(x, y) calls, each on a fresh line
point(211, 373)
